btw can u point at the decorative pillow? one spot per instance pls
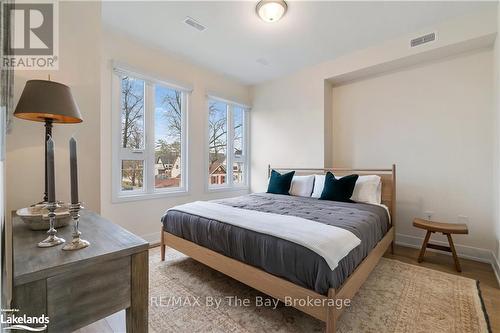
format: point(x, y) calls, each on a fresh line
point(319, 183)
point(367, 189)
point(280, 183)
point(302, 186)
point(338, 189)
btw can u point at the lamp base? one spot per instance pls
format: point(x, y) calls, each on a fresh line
point(51, 241)
point(76, 244)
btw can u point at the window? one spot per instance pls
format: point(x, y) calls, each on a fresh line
point(168, 137)
point(227, 144)
point(132, 132)
point(150, 159)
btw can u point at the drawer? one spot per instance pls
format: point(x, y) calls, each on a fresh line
point(83, 296)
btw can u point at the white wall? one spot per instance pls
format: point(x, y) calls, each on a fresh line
point(290, 115)
point(436, 122)
point(496, 152)
point(302, 103)
point(143, 217)
point(287, 126)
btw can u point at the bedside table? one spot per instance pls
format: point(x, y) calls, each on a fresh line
point(77, 288)
point(446, 229)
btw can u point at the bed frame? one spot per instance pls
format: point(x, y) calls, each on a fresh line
point(280, 288)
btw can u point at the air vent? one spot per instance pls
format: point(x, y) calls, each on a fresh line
point(195, 24)
point(423, 39)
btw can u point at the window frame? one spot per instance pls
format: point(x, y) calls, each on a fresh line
point(229, 185)
point(148, 154)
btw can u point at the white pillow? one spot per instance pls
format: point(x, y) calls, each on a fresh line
point(319, 183)
point(302, 186)
point(379, 193)
point(368, 189)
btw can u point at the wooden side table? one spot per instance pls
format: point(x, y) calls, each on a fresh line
point(77, 288)
point(446, 229)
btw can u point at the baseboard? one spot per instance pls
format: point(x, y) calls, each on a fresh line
point(463, 251)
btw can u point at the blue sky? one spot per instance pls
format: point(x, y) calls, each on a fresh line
point(161, 123)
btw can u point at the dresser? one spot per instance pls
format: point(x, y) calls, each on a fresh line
point(77, 288)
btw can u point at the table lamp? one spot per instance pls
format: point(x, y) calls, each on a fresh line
point(49, 102)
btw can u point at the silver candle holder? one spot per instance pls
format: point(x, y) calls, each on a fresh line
point(76, 243)
point(52, 240)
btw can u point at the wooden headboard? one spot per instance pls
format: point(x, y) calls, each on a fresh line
point(388, 177)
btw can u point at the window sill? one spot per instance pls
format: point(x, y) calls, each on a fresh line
point(149, 196)
point(228, 189)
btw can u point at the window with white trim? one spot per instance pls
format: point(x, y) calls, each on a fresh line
point(227, 144)
point(150, 137)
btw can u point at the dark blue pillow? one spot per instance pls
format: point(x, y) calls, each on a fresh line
point(338, 189)
point(280, 183)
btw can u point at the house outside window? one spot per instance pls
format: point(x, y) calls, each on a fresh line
point(150, 149)
point(228, 138)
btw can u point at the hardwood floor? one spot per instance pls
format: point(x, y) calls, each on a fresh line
point(472, 269)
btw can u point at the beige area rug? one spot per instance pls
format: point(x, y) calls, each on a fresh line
point(397, 297)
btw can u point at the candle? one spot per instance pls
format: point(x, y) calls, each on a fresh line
point(51, 186)
point(73, 171)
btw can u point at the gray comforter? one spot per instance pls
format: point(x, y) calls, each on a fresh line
point(280, 257)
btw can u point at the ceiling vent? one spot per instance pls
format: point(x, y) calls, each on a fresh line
point(195, 24)
point(423, 39)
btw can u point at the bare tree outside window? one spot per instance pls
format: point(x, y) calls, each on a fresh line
point(132, 118)
point(173, 103)
point(132, 113)
point(217, 142)
point(168, 136)
point(132, 175)
point(151, 137)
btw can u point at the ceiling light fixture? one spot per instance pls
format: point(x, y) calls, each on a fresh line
point(271, 10)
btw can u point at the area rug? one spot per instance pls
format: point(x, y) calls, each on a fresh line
point(186, 296)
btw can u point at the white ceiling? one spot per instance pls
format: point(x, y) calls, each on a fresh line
point(237, 41)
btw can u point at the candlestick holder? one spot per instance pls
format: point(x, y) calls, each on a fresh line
point(52, 240)
point(76, 243)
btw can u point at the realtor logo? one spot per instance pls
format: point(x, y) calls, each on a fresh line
point(29, 35)
point(11, 321)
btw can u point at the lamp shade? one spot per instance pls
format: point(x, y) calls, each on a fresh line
point(43, 100)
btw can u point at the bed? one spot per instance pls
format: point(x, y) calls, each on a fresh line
point(294, 271)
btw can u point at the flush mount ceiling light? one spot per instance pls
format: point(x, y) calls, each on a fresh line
point(271, 10)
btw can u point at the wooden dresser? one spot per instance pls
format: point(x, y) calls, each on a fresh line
point(76, 288)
